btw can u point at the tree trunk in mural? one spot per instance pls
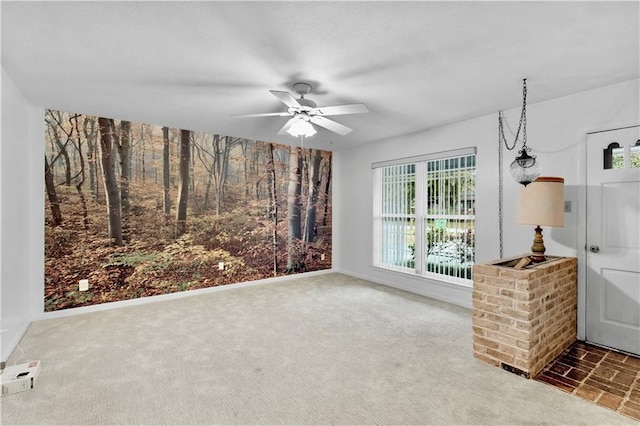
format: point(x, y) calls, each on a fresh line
point(89, 130)
point(312, 198)
point(256, 185)
point(166, 203)
point(107, 160)
point(327, 187)
point(124, 151)
point(81, 173)
point(183, 185)
point(245, 158)
point(52, 196)
point(273, 206)
point(293, 210)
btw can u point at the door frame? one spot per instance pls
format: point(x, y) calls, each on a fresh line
point(581, 248)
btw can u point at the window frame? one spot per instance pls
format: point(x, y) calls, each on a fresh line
point(419, 215)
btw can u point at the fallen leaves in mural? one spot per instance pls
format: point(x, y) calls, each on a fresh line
point(158, 264)
point(140, 210)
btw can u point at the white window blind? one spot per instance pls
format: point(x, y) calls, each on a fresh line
point(424, 214)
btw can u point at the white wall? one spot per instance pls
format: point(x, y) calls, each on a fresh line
point(21, 216)
point(557, 135)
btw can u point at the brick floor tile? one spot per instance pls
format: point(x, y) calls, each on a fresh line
point(606, 377)
point(589, 392)
point(593, 357)
point(577, 352)
point(622, 377)
point(633, 361)
point(556, 383)
point(559, 368)
point(615, 356)
point(604, 372)
point(591, 382)
point(616, 365)
point(610, 401)
point(629, 412)
point(577, 374)
point(578, 363)
point(632, 405)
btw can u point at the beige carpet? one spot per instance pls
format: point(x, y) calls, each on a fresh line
point(324, 349)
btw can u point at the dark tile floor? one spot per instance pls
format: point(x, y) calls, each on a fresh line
point(606, 377)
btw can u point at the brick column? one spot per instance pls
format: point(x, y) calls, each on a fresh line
point(524, 318)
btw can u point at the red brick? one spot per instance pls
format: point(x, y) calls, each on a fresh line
point(610, 401)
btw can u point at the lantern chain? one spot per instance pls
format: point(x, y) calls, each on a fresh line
point(522, 126)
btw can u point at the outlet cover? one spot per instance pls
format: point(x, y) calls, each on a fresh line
point(221, 266)
point(83, 285)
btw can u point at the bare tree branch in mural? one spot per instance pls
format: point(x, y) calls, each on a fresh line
point(293, 209)
point(55, 124)
point(273, 206)
point(207, 158)
point(312, 198)
point(246, 228)
point(183, 185)
point(108, 162)
point(53, 120)
point(52, 196)
point(216, 161)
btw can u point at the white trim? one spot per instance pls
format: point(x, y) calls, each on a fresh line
point(425, 157)
point(428, 276)
point(454, 294)
point(173, 296)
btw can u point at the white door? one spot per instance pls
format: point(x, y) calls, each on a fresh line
point(613, 239)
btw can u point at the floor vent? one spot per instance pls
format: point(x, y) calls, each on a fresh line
point(514, 370)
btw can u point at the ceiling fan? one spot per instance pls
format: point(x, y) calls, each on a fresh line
point(304, 112)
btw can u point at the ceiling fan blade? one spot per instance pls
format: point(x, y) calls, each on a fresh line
point(286, 98)
point(268, 114)
point(330, 125)
point(286, 126)
point(341, 109)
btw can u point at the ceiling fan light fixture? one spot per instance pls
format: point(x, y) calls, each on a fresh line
point(301, 127)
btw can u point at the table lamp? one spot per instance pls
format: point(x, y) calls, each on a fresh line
point(541, 203)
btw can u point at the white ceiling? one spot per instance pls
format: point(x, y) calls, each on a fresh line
point(416, 65)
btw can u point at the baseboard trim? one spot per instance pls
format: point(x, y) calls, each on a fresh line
point(172, 296)
point(10, 346)
point(459, 295)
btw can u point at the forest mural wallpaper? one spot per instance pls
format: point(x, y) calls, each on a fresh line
point(139, 210)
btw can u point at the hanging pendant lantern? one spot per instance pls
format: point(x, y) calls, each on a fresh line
point(525, 168)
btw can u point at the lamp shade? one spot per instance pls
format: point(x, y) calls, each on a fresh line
point(542, 202)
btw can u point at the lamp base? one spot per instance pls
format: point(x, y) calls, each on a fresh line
point(538, 248)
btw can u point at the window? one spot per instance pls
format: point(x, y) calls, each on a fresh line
point(424, 215)
point(614, 156)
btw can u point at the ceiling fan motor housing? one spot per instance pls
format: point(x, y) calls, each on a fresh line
point(302, 88)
